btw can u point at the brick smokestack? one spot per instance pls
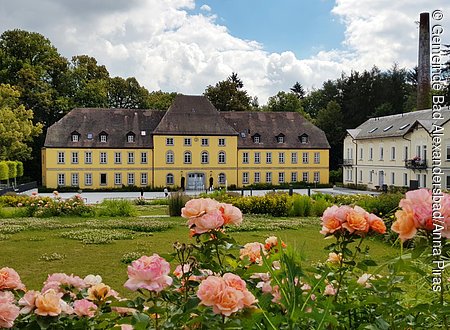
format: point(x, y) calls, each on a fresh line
point(423, 79)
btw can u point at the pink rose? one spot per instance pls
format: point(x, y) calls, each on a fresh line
point(231, 214)
point(179, 271)
point(56, 280)
point(198, 207)
point(10, 280)
point(8, 310)
point(229, 301)
point(419, 202)
point(84, 307)
point(252, 251)
point(210, 289)
point(149, 273)
point(226, 295)
point(208, 221)
point(126, 327)
point(28, 301)
point(236, 282)
point(329, 290)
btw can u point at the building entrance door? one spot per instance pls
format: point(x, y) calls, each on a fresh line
point(196, 181)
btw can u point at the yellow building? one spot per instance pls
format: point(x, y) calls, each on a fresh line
point(191, 146)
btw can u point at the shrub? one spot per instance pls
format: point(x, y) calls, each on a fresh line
point(318, 206)
point(116, 208)
point(301, 206)
point(176, 203)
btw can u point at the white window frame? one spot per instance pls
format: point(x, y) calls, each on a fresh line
point(187, 157)
point(269, 157)
point(221, 142)
point(245, 158)
point(74, 180)
point(170, 180)
point(281, 157)
point(268, 177)
point(88, 157)
point(305, 158)
point(205, 142)
point(170, 157)
point(144, 157)
point(316, 177)
point(74, 157)
point(144, 179)
point(257, 176)
point(305, 176)
point(244, 177)
point(61, 157)
point(294, 177)
point(294, 158)
point(118, 178)
point(169, 141)
point(222, 157)
point(187, 142)
point(61, 179)
point(257, 157)
point(130, 179)
point(103, 158)
point(103, 138)
point(281, 177)
point(130, 157)
point(204, 157)
point(117, 158)
point(130, 138)
point(88, 179)
point(316, 157)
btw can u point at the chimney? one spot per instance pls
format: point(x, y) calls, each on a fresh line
point(423, 79)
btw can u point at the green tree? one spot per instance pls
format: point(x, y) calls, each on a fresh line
point(30, 62)
point(159, 100)
point(4, 171)
point(228, 95)
point(16, 126)
point(87, 82)
point(298, 90)
point(126, 93)
point(330, 120)
point(284, 102)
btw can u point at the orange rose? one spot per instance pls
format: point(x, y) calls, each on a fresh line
point(356, 220)
point(48, 304)
point(376, 224)
point(404, 225)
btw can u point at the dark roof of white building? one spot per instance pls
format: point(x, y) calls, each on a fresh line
point(398, 125)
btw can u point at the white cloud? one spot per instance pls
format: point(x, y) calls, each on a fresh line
point(165, 46)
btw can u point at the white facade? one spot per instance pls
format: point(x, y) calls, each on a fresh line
point(394, 150)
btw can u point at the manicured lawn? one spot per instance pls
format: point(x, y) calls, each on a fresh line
point(35, 247)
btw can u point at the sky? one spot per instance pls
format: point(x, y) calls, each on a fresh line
point(186, 45)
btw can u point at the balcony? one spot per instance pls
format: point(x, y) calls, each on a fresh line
point(416, 164)
point(347, 162)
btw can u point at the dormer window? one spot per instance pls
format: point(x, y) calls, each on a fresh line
point(75, 136)
point(303, 138)
point(256, 138)
point(130, 137)
point(280, 138)
point(103, 137)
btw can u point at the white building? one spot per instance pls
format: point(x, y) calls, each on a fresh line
point(397, 151)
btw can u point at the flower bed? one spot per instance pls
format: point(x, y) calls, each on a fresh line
point(219, 283)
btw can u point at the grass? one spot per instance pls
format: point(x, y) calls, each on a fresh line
point(37, 247)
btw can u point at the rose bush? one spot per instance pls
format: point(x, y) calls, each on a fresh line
point(218, 283)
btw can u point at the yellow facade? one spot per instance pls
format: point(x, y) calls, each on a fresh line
point(278, 166)
point(96, 168)
point(89, 169)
